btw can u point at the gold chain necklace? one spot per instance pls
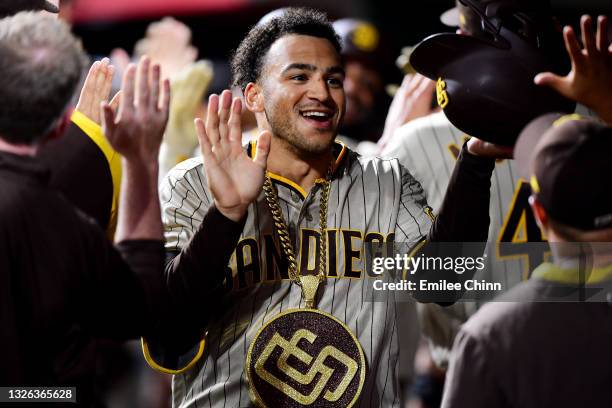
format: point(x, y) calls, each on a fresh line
point(308, 339)
point(308, 283)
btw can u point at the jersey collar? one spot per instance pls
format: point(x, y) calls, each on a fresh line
point(339, 151)
point(551, 272)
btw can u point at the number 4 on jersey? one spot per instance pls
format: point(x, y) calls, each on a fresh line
point(520, 233)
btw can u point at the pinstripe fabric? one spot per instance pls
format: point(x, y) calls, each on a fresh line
point(369, 199)
point(428, 147)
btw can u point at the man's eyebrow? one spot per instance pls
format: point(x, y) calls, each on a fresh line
point(309, 67)
point(300, 65)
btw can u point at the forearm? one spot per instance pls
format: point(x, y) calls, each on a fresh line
point(139, 208)
point(195, 280)
point(125, 296)
point(464, 215)
point(149, 301)
point(199, 270)
point(461, 228)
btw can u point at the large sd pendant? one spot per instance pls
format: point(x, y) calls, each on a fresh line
point(305, 358)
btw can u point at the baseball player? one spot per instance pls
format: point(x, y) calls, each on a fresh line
point(550, 149)
point(291, 74)
point(428, 147)
point(565, 306)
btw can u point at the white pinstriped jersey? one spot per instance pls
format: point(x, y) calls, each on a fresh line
point(370, 201)
point(428, 147)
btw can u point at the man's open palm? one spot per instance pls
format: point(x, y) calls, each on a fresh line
point(234, 178)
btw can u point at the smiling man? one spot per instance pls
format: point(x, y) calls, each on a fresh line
point(288, 320)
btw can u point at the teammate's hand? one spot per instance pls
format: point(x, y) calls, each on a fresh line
point(234, 179)
point(481, 148)
point(411, 101)
point(168, 43)
point(136, 130)
point(590, 79)
point(96, 89)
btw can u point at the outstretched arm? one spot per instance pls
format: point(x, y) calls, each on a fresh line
point(590, 79)
point(136, 277)
point(136, 132)
point(412, 101)
point(233, 179)
point(204, 217)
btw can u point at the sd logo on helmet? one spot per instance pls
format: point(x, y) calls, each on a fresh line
point(485, 79)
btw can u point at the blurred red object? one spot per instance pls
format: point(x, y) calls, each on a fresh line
point(86, 11)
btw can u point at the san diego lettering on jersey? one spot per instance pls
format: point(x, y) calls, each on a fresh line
point(370, 201)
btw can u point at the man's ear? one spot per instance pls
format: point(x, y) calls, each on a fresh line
point(539, 212)
point(60, 126)
point(253, 97)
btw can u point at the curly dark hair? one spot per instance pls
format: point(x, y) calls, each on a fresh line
point(247, 61)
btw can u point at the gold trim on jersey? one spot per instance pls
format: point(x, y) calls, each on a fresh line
point(292, 184)
point(157, 367)
point(94, 132)
point(289, 183)
point(535, 186)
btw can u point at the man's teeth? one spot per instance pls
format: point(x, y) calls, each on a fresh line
point(315, 114)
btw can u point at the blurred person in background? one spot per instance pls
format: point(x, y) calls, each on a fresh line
point(168, 43)
point(94, 188)
point(57, 267)
point(369, 65)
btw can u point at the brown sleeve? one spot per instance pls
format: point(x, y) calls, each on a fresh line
point(195, 278)
point(199, 268)
point(123, 293)
point(464, 214)
point(461, 228)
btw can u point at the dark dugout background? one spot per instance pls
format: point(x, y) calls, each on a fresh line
point(219, 25)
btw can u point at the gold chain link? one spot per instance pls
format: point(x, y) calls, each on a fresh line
point(282, 229)
point(323, 206)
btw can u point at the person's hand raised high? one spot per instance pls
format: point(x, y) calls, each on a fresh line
point(590, 79)
point(136, 130)
point(234, 178)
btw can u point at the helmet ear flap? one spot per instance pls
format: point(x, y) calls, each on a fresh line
point(523, 26)
point(511, 14)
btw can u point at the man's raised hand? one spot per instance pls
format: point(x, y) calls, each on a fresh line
point(96, 89)
point(412, 101)
point(136, 130)
point(590, 79)
point(234, 178)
